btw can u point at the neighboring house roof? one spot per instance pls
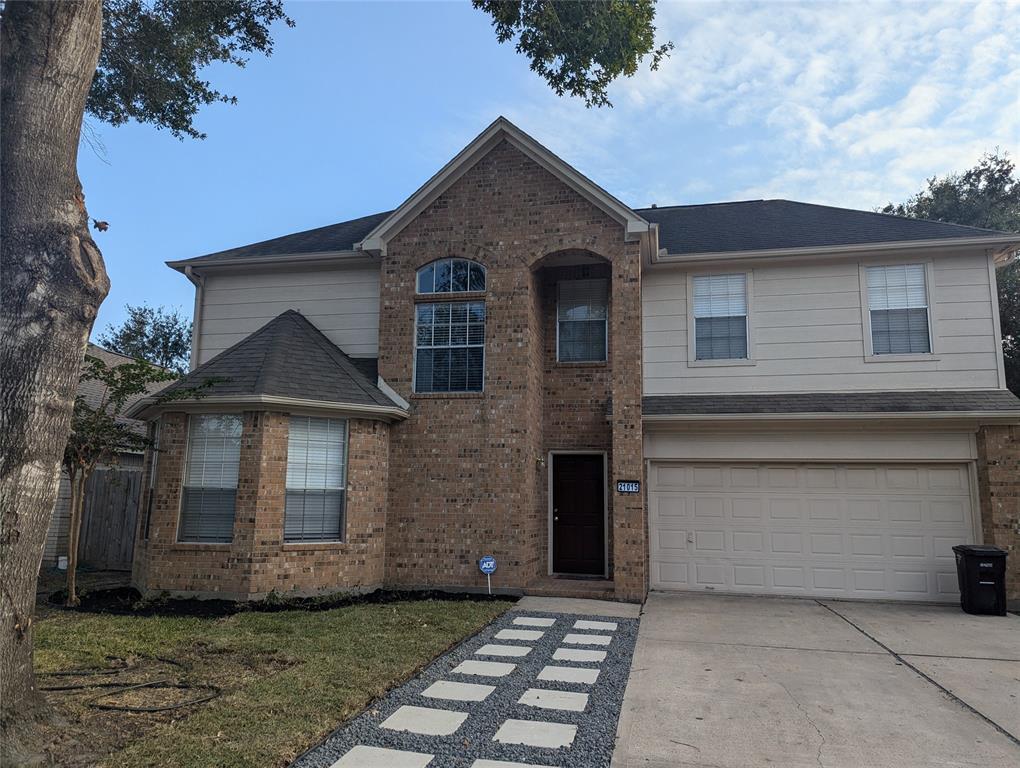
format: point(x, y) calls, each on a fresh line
point(289, 361)
point(989, 402)
point(93, 392)
point(760, 225)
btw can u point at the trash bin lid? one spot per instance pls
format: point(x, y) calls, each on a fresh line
point(979, 550)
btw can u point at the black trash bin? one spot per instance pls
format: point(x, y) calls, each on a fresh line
point(982, 574)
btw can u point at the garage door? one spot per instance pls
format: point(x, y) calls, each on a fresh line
point(833, 530)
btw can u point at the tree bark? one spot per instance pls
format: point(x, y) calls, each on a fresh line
point(52, 280)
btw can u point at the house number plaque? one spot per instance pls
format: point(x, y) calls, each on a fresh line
point(628, 486)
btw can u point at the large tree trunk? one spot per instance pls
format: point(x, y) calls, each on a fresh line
point(52, 280)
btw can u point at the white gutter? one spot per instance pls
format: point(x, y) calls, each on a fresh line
point(325, 257)
point(149, 406)
point(1007, 417)
point(1008, 242)
point(196, 315)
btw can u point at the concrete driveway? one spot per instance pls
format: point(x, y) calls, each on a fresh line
point(734, 682)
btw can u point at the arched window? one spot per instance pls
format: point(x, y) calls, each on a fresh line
point(449, 336)
point(451, 276)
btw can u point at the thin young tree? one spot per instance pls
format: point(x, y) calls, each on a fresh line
point(99, 435)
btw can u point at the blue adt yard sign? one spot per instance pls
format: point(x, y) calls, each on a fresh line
point(487, 565)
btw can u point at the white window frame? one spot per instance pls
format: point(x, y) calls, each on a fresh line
point(483, 346)
point(344, 483)
point(184, 478)
point(692, 340)
point(929, 283)
point(605, 359)
point(451, 292)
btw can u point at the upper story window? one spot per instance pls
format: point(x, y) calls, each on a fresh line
point(720, 317)
point(316, 479)
point(582, 310)
point(449, 346)
point(210, 478)
point(898, 305)
point(451, 276)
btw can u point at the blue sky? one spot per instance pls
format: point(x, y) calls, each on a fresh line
point(851, 104)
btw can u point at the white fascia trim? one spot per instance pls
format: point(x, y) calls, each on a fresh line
point(982, 416)
point(391, 393)
point(1008, 241)
point(319, 257)
point(148, 407)
point(501, 128)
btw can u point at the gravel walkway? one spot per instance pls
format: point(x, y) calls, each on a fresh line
point(469, 727)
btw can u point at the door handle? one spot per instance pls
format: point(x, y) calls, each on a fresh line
point(556, 518)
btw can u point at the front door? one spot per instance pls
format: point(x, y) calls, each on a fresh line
point(578, 528)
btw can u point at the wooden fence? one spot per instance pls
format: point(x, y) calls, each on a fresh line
point(110, 515)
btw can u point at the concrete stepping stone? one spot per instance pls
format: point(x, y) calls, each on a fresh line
point(533, 621)
point(505, 764)
point(425, 720)
point(519, 634)
point(605, 626)
point(573, 639)
point(454, 691)
point(549, 699)
point(536, 733)
point(569, 675)
point(493, 649)
point(380, 757)
point(578, 654)
point(484, 668)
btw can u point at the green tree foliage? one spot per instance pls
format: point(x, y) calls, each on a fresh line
point(99, 434)
point(153, 51)
point(579, 47)
point(158, 335)
point(988, 196)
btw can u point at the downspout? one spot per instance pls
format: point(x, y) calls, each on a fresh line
point(196, 316)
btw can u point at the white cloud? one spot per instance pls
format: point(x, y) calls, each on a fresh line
point(848, 103)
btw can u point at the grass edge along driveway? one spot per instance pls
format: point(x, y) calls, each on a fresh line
point(289, 677)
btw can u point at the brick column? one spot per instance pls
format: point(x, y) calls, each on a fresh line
point(998, 469)
point(630, 537)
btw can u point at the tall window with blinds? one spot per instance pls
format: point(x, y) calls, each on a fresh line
point(210, 479)
point(316, 479)
point(720, 317)
point(582, 311)
point(898, 303)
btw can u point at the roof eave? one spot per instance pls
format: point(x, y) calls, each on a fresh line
point(501, 128)
point(1001, 245)
point(318, 257)
point(984, 417)
point(148, 408)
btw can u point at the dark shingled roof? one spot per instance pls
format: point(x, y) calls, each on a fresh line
point(288, 357)
point(750, 225)
point(335, 237)
point(757, 225)
point(993, 401)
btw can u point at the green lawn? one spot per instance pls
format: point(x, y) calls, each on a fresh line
point(289, 678)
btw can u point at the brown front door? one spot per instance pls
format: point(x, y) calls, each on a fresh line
point(578, 529)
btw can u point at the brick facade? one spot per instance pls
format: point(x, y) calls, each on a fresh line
point(998, 468)
point(468, 472)
point(258, 561)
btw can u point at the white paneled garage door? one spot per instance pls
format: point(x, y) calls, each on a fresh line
point(833, 530)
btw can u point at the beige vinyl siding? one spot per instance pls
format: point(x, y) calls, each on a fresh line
point(807, 327)
point(341, 301)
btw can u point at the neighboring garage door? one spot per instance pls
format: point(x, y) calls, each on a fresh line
point(833, 530)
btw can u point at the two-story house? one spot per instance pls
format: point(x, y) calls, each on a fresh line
point(766, 397)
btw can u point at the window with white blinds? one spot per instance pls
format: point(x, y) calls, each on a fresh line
point(582, 311)
point(898, 302)
point(210, 479)
point(720, 317)
point(449, 347)
point(316, 479)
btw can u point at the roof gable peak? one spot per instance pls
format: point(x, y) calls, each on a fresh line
point(499, 130)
